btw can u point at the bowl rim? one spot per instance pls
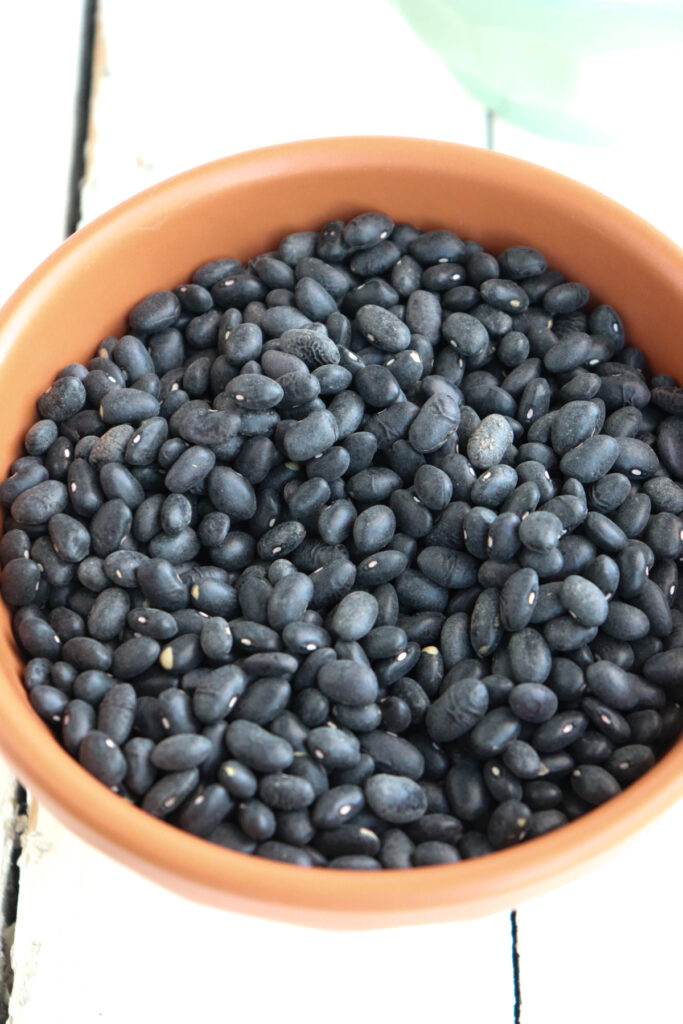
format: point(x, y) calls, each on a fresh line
point(217, 876)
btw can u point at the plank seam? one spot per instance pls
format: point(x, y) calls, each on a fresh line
point(82, 117)
point(10, 897)
point(516, 974)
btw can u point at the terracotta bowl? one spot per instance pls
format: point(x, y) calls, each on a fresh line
point(242, 206)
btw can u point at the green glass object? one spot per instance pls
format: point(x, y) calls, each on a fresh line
point(566, 69)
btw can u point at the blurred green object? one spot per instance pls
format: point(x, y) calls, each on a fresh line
point(579, 70)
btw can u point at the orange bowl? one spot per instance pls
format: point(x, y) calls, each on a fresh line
point(239, 207)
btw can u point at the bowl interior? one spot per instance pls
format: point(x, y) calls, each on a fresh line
point(240, 207)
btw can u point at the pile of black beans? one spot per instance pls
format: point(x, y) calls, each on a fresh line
point(363, 554)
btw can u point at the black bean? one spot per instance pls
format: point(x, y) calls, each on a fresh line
point(49, 702)
point(520, 262)
point(383, 329)
point(434, 852)
point(591, 459)
point(489, 441)
point(533, 702)
point(652, 602)
point(263, 700)
point(395, 799)
point(457, 710)
point(437, 247)
point(396, 849)
point(539, 532)
point(374, 528)
point(559, 731)
point(91, 685)
point(628, 763)
point(20, 581)
point(417, 593)
point(584, 600)
point(39, 503)
point(286, 792)
point(78, 719)
point(504, 294)
point(334, 748)
point(257, 748)
point(625, 622)
point(64, 398)
point(566, 298)
point(205, 810)
point(140, 772)
point(134, 656)
point(494, 731)
point(522, 760)
point(509, 824)
point(393, 754)
point(594, 784)
point(466, 791)
point(518, 599)
point(337, 806)
point(664, 668)
point(102, 757)
point(38, 638)
point(116, 712)
point(435, 423)
point(573, 423)
point(530, 657)
point(169, 792)
point(108, 614)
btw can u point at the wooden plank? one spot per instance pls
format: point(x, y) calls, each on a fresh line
point(252, 75)
point(39, 79)
point(603, 942)
point(97, 942)
point(607, 946)
point(39, 65)
point(93, 940)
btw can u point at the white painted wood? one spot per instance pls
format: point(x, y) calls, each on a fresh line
point(96, 942)
point(641, 173)
point(607, 947)
point(614, 927)
point(39, 63)
point(254, 74)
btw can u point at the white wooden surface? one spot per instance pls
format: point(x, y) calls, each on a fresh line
point(38, 92)
point(92, 941)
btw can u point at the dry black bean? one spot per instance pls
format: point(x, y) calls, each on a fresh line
point(102, 757)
